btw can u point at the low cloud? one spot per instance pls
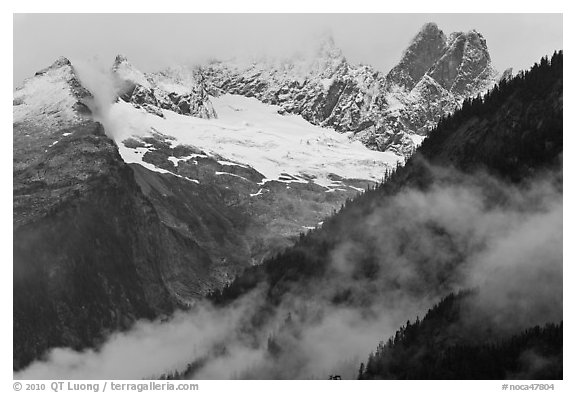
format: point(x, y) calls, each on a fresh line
point(148, 350)
point(393, 265)
point(99, 80)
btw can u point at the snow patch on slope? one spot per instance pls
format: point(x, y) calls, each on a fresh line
point(255, 134)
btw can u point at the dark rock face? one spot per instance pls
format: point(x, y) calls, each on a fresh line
point(142, 97)
point(425, 49)
point(461, 69)
point(465, 61)
point(91, 254)
point(325, 90)
point(177, 90)
point(87, 247)
point(99, 244)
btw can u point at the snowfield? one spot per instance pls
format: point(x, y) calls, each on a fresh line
point(249, 132)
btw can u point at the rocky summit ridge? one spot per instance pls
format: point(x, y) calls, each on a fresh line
point(177, 89)
point(53, 98)
point(388, 112)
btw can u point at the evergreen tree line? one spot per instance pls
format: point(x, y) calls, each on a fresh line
point(530, 98)
point(532, 84)
point(512, 132)
point(429, 349)
point(513, 128)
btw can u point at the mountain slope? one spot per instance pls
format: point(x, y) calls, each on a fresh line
point(430, 349)
point(94, 250)
point(181, 203)
point(478, 205)
point(140, 226)
point(53, 99)
point(477, 139)
point(82, 263)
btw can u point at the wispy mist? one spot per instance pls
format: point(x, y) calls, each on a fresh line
point(149, 349)
point(98, 79)
point(476, 232)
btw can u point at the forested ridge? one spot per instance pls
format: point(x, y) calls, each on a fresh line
point(513, 133)
point(429, 349)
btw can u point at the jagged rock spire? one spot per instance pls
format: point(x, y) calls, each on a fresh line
point(465, 60)
point(424, 50)
point(120, 59)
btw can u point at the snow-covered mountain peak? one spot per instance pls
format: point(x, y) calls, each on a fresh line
point(386, 112)
point(53, 97)
point(326, 48)
point(320, 58)
point(127, 73)
point(328, 59)
point(429, 31)
point(390, 112)
point(59, 63)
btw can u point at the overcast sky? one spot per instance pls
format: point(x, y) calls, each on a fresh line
point(152, 41)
